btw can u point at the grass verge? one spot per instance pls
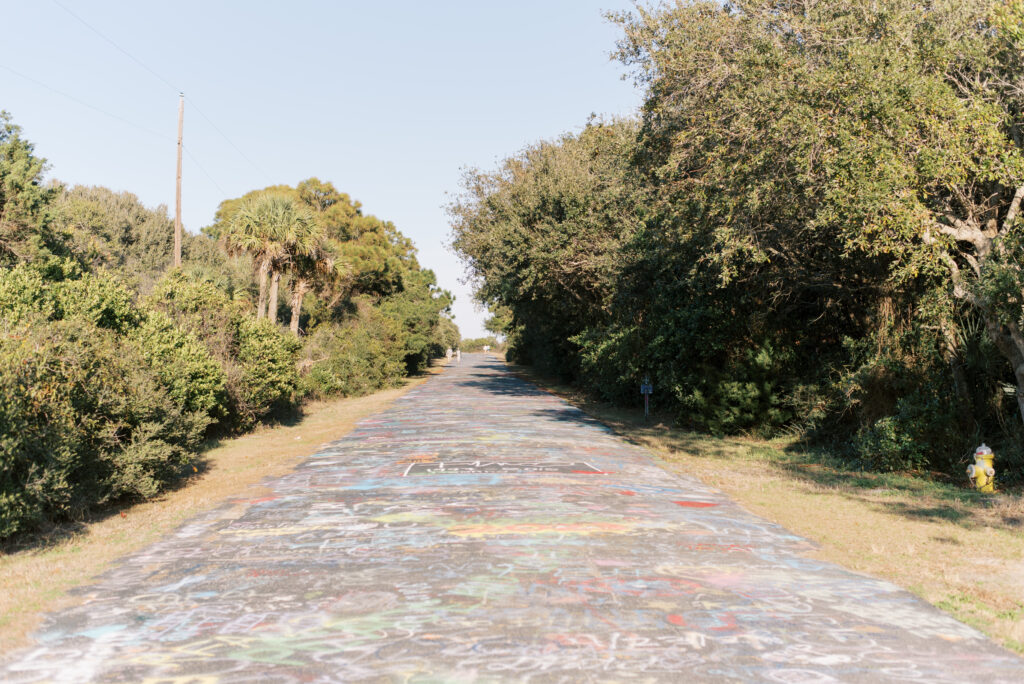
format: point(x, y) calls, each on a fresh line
point(955, 548)
point(37, 572)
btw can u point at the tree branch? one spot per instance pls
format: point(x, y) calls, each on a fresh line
point(964, 232)
point(973, 263)
point(1011, 215)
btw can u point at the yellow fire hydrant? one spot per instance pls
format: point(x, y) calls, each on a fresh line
point(982, 472)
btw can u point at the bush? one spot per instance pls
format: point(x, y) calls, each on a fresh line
point(58, 289)
point(357, 357)
point(194, 379)
point(270, 380)
point(25, 294)
point(98, 298)
point(908, 429)
point(257, 359)
point(202, 308)
point(85, 420)
point(748, 394)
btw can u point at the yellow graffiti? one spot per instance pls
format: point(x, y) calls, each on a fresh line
point(420, 458)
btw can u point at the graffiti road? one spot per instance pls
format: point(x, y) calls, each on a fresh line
point(483, 530)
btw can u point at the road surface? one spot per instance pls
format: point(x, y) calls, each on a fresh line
point(483, 530)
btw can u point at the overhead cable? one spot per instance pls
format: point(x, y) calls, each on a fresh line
point(165, 82)
point(118, 47)
point(86, 104)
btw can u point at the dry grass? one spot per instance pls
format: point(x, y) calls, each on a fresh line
point(957, 549)
point(37, 573)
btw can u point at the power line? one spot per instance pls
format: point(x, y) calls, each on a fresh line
point(237, 149)
point(167, 83)
point(118, 47)
point(85, 104)
point(207, 173)
point(118, 118)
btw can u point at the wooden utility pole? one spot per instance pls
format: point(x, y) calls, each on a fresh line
point(177, 192)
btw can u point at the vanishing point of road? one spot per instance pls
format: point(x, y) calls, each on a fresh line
point(483, 530)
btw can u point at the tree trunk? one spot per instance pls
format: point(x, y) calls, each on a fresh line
point(1007, 338)
point(951, 354)
point(1010, 343)
point(275, 280)
point(1018, 367)
point(298, 290)
point(261, 303)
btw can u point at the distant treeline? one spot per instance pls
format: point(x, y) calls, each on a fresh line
point(475, 344)
point(114, 368)
point(813, 228)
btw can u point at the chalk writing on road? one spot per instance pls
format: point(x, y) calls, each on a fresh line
point(463, 467)
point(481, 530)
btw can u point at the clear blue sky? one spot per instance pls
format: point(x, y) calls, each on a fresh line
point(387, 100)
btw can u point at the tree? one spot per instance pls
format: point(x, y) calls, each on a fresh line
point(24, 200)
point(114, 230)
point(541, 236)
point(273, 228)
point(816, 223)
point(500, 320)
point(310, 262)
point(445, 336)
point(859, 150)
point(418, 307)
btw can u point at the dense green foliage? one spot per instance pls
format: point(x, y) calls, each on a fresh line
point(24, 201)
point(115, 368)
point(85, 419)
point(360, 355)
point(256, 358)
point(337, 262)
point(194, 379)
point(475, 344)
point(813, 227)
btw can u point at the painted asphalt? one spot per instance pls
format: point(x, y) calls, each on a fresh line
point(483, 530)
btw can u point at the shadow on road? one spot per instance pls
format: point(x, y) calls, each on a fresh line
point(935, 498)
point(503, 386)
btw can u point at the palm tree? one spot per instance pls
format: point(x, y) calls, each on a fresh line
point(311, 261)
point(270, 227)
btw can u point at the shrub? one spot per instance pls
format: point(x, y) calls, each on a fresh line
point(270, 379)
point(24, 294)
point(85, 420)
point(202, 308)
point(98, 298)
point(919, 433)
point(748, 394)
point(58, 290)
point(359, 356)
point(257, 359)
point(194, 379)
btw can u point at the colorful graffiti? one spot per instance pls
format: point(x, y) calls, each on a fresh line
point(483, 530)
